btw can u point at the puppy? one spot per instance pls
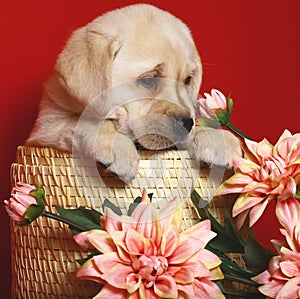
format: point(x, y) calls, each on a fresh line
point(130, 77)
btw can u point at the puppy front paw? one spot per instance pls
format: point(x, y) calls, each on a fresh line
point(215, 147)
point(121, 159)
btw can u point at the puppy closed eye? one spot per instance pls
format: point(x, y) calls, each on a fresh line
point(149, 82)
point(188, 80)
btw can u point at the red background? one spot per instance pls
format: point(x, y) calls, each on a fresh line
point(250, 48)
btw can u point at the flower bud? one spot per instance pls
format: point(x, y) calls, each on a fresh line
point(25, 204)
point(214, 108)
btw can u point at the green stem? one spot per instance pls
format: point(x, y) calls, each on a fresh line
point(241, 280)
point(236, 131)
point(66, 221)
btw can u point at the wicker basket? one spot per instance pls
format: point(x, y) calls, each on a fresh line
point(44, 254)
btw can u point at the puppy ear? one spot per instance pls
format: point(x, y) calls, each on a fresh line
point(84, 65)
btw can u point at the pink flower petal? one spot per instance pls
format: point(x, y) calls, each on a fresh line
point(241, 219)
point(105, 262)
point(184, 276)
point(23, 188)
point(289, 191)
point(250, 151)
point(122, 250)
point(186, 250)
point(82, 240)
point(112, 221)
point(133, 282)
point(288, 214)
point(186, 291)
point(289, 269)
point(219, 98)
point(109, 291)
point(244, 202)
point(262, 278)
point(209, 259)
point(165, 287)
point(228, 189)
point(169, 241)
point(101, 240)
point(24, 199)
point(88, 271)
point(198, 268)
point(137, 244)
point(140, 210)
point(148, 294)
point(148, 223)
point(290, 289)
point(271, 289)
point(264, 149)
point(244, 166)
point(216, 274)
point(256, 212)
point(286, 134)
point(205, 288)
point(116, 276)
point(171, 214)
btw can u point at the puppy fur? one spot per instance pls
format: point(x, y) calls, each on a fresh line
point(130, 76)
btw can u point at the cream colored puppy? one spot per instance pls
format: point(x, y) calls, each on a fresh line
point(129, 77)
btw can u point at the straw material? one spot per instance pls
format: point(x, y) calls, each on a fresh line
point(44, 254)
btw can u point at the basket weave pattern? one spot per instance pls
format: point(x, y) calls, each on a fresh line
point(44, 254)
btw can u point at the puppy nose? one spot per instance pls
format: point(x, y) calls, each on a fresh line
point(187, 123)
point(183, 126)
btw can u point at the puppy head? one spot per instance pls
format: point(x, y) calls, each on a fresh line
point(147, 51)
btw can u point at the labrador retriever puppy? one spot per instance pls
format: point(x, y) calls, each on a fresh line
point(130, 77)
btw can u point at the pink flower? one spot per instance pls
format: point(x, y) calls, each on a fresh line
point(266, 173)
point(288, 214)
point(19, 202)
point(209, 105)
point(282, 278)
point(146, 256)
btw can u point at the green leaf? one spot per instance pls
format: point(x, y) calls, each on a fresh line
point(229, 105)
point(85, 218)
point(91, 255)
point(39, 194)
point(108, 204)
point(227, 239)
point(33, 212)
point(231, 230)
point(256, 256)
point(223, 116)
point(202, 207)
point(200, 204)
point(229, 265)
point(226, 244)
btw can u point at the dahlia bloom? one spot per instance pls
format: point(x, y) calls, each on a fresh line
point(282, 278)
point(19, 202)
point(266, 173)
point(144, 255)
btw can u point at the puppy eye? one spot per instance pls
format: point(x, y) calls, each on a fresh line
point(188, 80)
point(148, 82)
